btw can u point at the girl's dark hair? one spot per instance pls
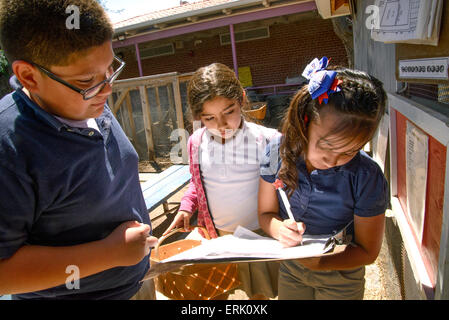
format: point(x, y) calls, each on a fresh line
point(37, 30)
point(214, 80)
point(360, 106)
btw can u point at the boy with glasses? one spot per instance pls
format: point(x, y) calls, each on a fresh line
point(73, 221)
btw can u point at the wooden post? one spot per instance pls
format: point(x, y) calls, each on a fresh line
point(111, 104)
point(115, 108)
point(442, 285)
point(147, 121)
point(131, 120)
point(120, 100)
point(171, 107)
point(180, 120)
point(158, 105)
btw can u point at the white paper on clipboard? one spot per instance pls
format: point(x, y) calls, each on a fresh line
point(247, 246)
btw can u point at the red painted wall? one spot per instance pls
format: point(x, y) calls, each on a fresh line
point(285, 53)
point(430, 245)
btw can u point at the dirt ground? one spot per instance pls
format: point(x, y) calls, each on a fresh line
point(376, 286)
point(150, 167)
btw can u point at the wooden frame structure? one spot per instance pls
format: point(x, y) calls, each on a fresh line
point(122, 90)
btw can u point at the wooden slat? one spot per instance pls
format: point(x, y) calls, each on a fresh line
point(131, 118)
point(171, 106)
point(111, 104)
point(123, 118)
point(120, 100)
point(154, 80)
point(180, 120)
point(170, 99)
point(123, 87)
point(158, 105)
point(147, 121)
point(185, 77)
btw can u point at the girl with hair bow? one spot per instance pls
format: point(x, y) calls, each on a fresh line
point(331, 183)
point(224, 161)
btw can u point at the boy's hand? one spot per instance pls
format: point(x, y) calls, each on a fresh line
point(181, 220)
point(130, 242)
point(290, 233)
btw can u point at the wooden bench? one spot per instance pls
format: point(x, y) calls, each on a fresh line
point(159, 188)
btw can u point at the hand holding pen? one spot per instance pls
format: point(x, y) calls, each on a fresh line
point(290, 233)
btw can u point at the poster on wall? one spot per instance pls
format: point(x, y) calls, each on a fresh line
point(408, 21)
point(245, 77)
point(416, 169)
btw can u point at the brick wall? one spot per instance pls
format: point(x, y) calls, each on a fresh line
point(284, 54)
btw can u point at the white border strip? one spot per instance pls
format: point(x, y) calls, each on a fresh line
point(433, 125)
point(442, 283)
point(393, 153)
point(416, 261)
point(413, 111)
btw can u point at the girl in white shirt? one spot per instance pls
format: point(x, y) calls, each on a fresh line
point(224, 162)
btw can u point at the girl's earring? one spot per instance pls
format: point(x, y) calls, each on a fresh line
point(306, 120)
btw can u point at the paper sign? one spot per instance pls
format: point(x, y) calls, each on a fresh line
point(416, 180)
point(431, 68)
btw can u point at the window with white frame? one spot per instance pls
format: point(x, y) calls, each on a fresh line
point(245, 35)
point(164, 50)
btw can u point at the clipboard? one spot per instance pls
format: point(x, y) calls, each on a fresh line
point(211, 251)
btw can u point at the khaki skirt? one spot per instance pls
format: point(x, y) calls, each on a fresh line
point(258, 277)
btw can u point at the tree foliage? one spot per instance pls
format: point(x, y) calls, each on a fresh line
point(104, 3)
point(3, 63)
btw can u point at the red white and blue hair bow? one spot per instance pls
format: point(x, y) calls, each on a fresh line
point(322, 82)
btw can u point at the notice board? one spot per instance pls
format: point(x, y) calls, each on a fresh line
point(417, 51)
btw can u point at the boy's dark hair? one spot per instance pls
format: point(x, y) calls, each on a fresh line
point(36, 30)
point(360, 106)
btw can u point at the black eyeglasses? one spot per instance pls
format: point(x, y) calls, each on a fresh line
point(93, 91)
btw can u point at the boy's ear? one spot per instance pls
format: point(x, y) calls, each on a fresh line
point(27, 74)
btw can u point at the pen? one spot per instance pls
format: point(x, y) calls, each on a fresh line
point(278, 184)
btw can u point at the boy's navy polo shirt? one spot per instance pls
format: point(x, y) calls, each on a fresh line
point(327, 200)
point(63, 186)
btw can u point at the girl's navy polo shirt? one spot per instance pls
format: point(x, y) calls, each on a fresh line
point(63, 186)
point(327, 200)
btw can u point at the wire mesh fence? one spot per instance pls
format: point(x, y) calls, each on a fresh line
point(154, 113)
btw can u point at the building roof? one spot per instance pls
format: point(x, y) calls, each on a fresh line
point(171, 12)
point(202, 15)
